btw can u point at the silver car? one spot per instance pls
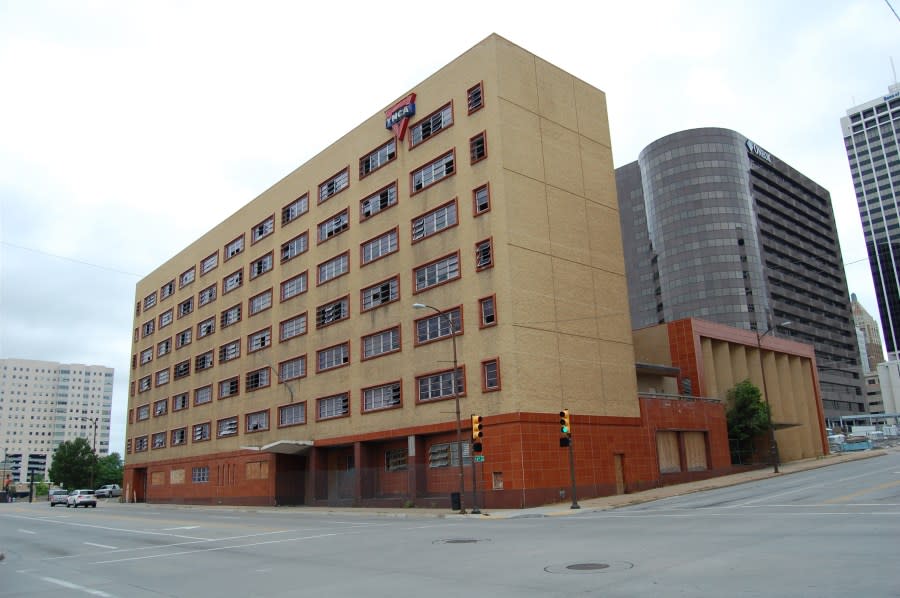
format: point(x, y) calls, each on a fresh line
point(58, 496)
point(81, 498)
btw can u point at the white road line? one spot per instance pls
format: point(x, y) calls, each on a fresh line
point(171, 529)
point(105, 527)
point(101, 545)
point(26, 531)
point(73, 586)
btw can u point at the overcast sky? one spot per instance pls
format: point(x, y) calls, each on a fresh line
point(129, 129)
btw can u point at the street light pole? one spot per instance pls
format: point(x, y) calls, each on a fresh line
point(459, 446)
point(773, 444)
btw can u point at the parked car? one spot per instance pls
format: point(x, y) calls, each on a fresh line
point(108, 491)
point(59, 496)
point(82, 498)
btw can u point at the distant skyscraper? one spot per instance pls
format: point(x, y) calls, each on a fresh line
point(716, 227)
point(44, 403)
point(871, 132)
point(870, 346)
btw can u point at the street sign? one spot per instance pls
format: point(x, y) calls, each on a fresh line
point(479, 458)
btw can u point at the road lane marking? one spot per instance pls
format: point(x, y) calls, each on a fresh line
point(101, 545)
point(26, 531)
point(172, 529)
point(73, 586)
point(870, 489)
point(105, 527)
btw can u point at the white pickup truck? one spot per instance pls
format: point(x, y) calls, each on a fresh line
point(108, 491)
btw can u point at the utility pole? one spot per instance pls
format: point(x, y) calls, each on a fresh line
point(93, 421)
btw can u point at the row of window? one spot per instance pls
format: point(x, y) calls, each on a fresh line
point(427, 329)
point(420, 178)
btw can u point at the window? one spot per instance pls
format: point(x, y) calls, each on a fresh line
point(183, 338)
point(257, 422)
point(257, 379)
point(475, 97)
point(206, 327)
point(333, 357)
point(336, 266)
point(490, 375)
point(488, 313)
point(147, 355)
point(334, 406)
point(259, 340)
point(209, 263)
point(294, 247)
point(481, 200)
point(484, 254)
point(160, 407)
point(478, 147)
point(380, 294)
point(207, 295)
point(148, 328)
point(377, 158)
point(263, 229)
point(229, 351)
point(432, 172)
point(440, 386)
point(261, 266)
point(435, 221)
point(379, 247)
point(180, 402)
point(179, 436)
point(260, 302)
point(447, 454)
point(167, 289)
point(229, 388)
point(186, 278)
point(378, 201)
point(431, 125)
point(162, 377)
point(233, 281)
point(396, 459)
point(335, 225)
point(204, 361)
point(142, 413)
point(332, 312)
point(292, 415)
point(381, 397)
point(234, 248)
point(185, 307)
point(140, 444)
point(182, 369)
point(159, 440)
point(200, 475)
point(437, 326)
point(226, 427)
point(203, 395)
point(293, 286)
point(381, 343)
point(295, 209)
point(334, 185)
point(150, 300)
point(292, 369)
point(437, 272)
point(292, 327)
point(230, 316)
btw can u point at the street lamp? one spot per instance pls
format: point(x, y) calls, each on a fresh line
point(93, 421)
point(459, 446)
point(773, 444)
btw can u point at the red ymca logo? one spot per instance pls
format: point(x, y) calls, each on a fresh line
point(397, 116)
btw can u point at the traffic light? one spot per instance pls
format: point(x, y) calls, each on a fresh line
point(565, 425)
point(477, 432)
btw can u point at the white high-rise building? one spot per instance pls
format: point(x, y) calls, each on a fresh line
point(45, 403)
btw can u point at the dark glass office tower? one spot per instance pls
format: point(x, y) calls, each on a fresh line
point(716, 227)
point(870, 136)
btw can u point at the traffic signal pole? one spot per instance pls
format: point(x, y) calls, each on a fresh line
point(572, 474)
point(477, 433)
point(565, 426)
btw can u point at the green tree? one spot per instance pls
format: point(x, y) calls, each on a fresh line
point(747, 416)
point(109, 470)
point(72, 462)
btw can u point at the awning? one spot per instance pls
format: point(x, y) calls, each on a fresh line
point(283, 447)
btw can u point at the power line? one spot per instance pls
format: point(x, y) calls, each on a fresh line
point(70, 259)
point(892, 9)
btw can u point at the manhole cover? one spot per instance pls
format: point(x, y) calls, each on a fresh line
point(587, 566)
point(459, 541)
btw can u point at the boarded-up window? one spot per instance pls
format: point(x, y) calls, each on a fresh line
point(695, 451)
point(257, 470)
point(157, 478)
point(667, 450)
point(176, 476)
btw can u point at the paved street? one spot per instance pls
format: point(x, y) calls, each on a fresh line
point(822, 532)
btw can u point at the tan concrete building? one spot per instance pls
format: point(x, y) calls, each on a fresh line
point(280, 358)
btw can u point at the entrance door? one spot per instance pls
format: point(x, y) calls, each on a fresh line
point(290, 479)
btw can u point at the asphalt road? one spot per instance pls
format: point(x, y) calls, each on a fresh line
point(832, 531)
